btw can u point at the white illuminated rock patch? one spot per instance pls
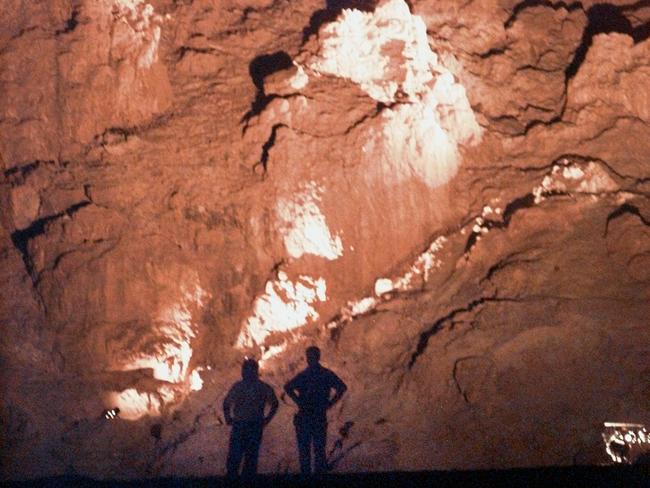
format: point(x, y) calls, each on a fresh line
point(166, 350)
point(421, 268)
point(284, 307)
point(386, 52)
point(573, 178)
point(300, 79)
point(303, 227)
point(138, 30)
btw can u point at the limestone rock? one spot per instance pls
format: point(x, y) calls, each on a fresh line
point(449, 198)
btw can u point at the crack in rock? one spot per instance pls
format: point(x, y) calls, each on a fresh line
point(439, 324)
point(604, 18)
point(526, 4)
point(601, 18)
point(70, 24)
point(259, 68)
point(454, 374)
point(21, 238)
point(510, 260)
point(520, 203)
point(266, 148)
point(626, 208)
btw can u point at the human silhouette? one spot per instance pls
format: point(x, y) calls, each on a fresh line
point(311, 390)
point(243, 408)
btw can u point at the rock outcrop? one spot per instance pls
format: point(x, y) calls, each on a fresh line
point(450, 199)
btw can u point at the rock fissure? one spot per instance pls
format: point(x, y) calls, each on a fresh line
point(461, 391)
point(526, 4)
point(266, 147)
point(439, 324)
point(21, 237)
point(514, 206)
point(510, 260)
point(259, 68)
point(605, 18)
point(70, 24)
point(625, 209)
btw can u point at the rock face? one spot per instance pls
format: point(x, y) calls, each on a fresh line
point(451, 200)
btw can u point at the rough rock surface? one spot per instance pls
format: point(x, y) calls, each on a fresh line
point(450, 198)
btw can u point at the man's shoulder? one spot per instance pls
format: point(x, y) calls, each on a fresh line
point(328, 372)
point(238, 385)
point(265, 386)
point(299, 377)
point(331, 375)
point(235, 388)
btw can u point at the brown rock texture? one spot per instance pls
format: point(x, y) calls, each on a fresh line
point(451, 199)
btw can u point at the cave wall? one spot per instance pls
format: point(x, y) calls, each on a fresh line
point(453, 204)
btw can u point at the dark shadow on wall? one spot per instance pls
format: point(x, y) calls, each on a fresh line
point(603, 19)
point(331, 11)
point(258, 69)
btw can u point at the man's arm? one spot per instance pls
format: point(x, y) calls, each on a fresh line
point(291, 389)
point(272, 400)
point(339, 389)
point(227, 406)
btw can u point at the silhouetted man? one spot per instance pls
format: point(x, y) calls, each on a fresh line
point(311, 390)
point(243, 408)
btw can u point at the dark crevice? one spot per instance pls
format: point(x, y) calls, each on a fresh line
point(21, 238)
point(605, 18)
point(118, 135)
point(70, 24)
point(624, 209)
point(183, 50)
point(371, 115)
point(332, 10)
point(338, 452)
point(454, 374)
point(509, 260)
point(267, 64)
point(257, 107)
point(513, 207)
point(172, 446)
point(439, 324)
point(495, 51)
point(258, 69)
point(114, 135)
point(536, 123)
point(601, 18)
point(526, 4)
point(264, 158)
point(21, 172)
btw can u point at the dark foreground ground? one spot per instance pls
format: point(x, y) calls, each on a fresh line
point(610, 476)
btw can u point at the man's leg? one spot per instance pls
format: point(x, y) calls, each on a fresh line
point(319, 436)
point(253, 440)
point(235, 450)
point(303, 437)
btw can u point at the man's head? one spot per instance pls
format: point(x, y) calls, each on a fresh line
point(313, 355)
point(249, 370)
